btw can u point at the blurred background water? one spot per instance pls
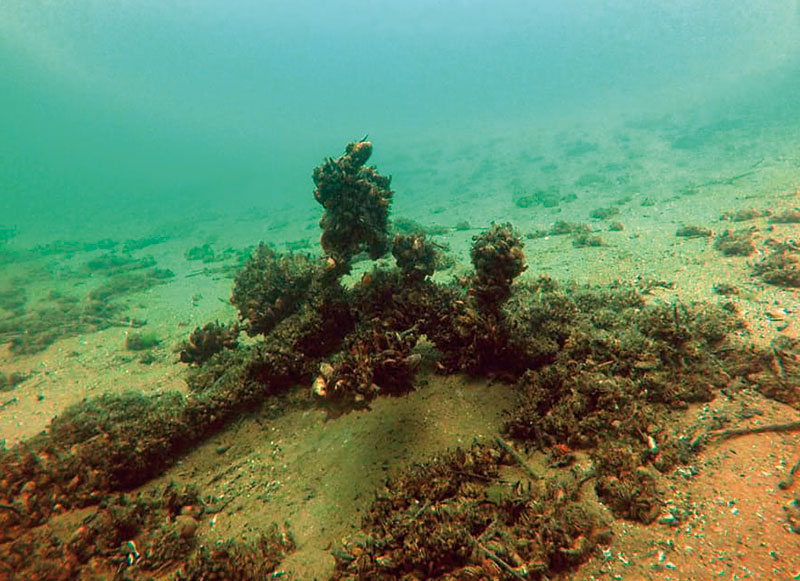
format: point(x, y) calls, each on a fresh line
point(115, 113)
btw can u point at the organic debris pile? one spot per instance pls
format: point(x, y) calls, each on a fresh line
point(142, 536)
point(455, 519)
point(208, 340)
point(735, 242)
point(598, 370)
point(781, 266)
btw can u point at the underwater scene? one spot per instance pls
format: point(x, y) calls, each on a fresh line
point(449, 289)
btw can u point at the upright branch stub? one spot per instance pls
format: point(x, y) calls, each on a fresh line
point(270, 288)
point(356, 199)
point(415, 256)
point(498, 259)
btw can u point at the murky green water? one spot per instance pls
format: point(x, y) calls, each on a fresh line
point(123, 117)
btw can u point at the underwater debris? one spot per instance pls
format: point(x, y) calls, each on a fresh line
point(596, 369)
point(375, 360)
point(240, 561)
point(625, 484)
point(271, 287)
point(469, 330)
point(777, 372)
point(781, 266)
point(422, 308)
point(112, 264)
point(118, 441)
point(692, 231)
point(356, 199)
point(615, 372)
point(547, 198)
point(744, 215)
point(604, 213)
point(786, 217)
point(204, 253)
point(498, 259)
point(735, 242)
point(139, 536)
point(207, 341)
point(587, 239)
point(453, 518)
point(33, 330)
point(141, 341)
point(561, 228)
point(104, 538)
point(296, 303)
point(415, 256)
point(134, 244)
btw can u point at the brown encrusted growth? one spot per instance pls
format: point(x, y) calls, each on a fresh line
point(416, 257)
point(567, 404)
point(596, 368)
point(118, 441)
point(129, 534)
point(782, 266)
point(744, 215)
point(587, 240)
point(453, 519)
point(735, 242)
point(465, 338)
point(692, 231)
point(604, 213)
point(239, 561)
point(617, 369)
point(779, 371)
point(300, 299)
point(376, 359)
point(498, 259)
point(481, 343)
point(356, 199)
point(443, 313)
point(562, 228)
point(787, 217)
point(208, 340)
point(270, 287)
point(95, 447)
point(625, 484)
point(385, 295)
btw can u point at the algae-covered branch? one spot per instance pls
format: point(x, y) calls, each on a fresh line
point(594, 369)
point(356, 199)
